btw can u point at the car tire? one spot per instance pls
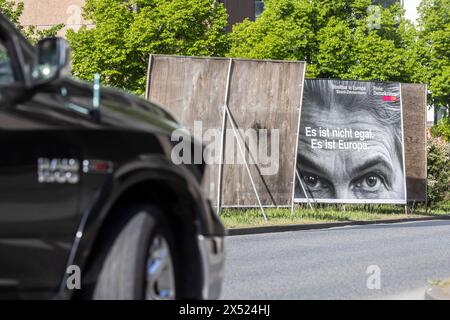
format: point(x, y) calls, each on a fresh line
point(140, 263)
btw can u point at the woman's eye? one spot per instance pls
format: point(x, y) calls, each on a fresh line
point(369, 182)
point(311, 181)
point(372, 181)
point(315, 182)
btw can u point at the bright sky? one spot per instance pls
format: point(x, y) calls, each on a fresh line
point(411, 9)
point(411, 14)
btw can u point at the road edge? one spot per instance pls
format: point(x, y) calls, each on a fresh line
point(327, 225)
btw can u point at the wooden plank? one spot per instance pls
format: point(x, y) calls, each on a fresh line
point(192, 89)
point(263, 95)
point(414, 97)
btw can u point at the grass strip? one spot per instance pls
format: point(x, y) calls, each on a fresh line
point(251, 217)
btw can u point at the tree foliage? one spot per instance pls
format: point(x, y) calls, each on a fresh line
point(442, 129)
point(434, 49)
point(34, 34)
point(339, 38)
point(14, 10)
point(438, 161)
point(126, 32)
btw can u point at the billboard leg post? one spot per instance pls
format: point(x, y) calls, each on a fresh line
point(292, 207)
point(222, 146)
point(149, 71)
point(304, 192)
point(223, 137)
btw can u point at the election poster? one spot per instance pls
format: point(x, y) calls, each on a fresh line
point(350, 143)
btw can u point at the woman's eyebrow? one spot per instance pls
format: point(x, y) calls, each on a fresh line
point(305, 163)
point(377, 161)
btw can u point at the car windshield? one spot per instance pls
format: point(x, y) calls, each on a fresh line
point(6, 72)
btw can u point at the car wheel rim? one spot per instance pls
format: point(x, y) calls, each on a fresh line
point(160, 273)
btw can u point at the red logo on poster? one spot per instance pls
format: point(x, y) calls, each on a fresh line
point(390, 98)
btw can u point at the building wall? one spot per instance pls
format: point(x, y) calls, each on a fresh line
point(238, 10)
point(46, 13)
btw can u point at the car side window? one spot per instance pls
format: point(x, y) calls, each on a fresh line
point(6, 71)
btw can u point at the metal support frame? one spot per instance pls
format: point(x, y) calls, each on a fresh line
point(226, 115)
point(296, 148)
point(303, 188)
point(223, 138)
point(149, 70)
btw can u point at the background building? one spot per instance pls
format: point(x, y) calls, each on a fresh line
point(46, 13)
point(239, 10)
point(386, 3)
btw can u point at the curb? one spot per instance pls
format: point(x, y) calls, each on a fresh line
point(314, 226)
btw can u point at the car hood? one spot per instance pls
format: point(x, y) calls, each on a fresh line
point(122, 110)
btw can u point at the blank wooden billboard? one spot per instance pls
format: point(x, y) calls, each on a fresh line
point(414, 102)
point(192, 89)
point(263, 95)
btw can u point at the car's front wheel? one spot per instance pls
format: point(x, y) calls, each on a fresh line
point(140, 263)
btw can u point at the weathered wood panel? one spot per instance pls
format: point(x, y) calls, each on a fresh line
point(264, 95)
point(414, 122)
point(192, 89)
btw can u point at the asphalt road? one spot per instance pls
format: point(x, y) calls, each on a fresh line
point(332, 263)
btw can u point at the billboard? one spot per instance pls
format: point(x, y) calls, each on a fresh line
point(264, 100)
point(350, 143)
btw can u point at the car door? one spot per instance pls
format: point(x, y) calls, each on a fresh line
point(39, 184)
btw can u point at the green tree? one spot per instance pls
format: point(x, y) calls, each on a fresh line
point(14, 10)
point(433, 49)
point(442, 129)
point(438, 161)
point(126, 32)
point(34, 35)
point(339, 38)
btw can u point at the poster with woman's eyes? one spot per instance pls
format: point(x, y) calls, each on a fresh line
point(350, 146)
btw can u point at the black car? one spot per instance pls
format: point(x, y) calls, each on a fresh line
point(91, 205)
